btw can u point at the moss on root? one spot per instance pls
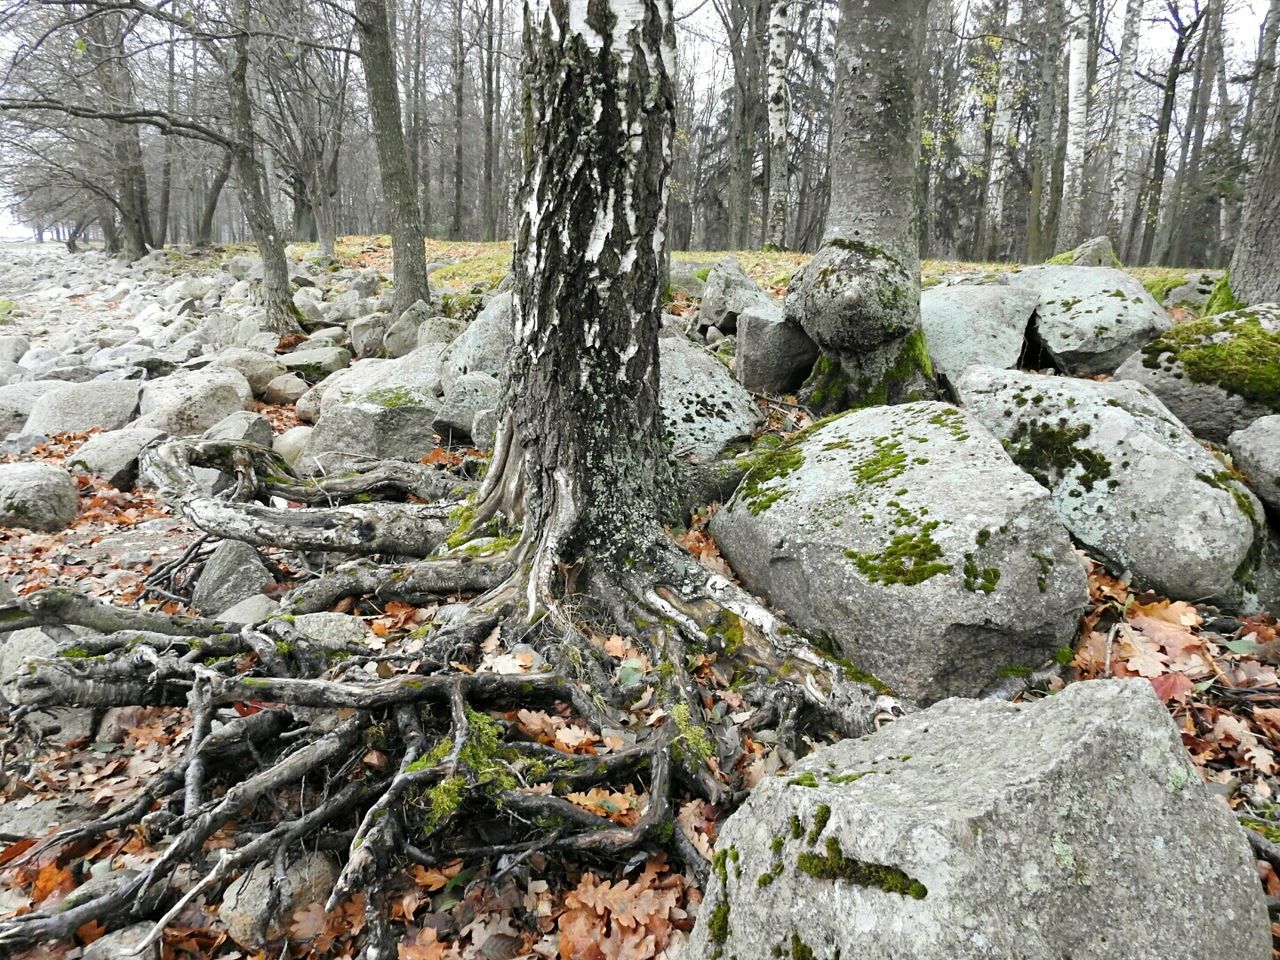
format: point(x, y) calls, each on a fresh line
point(1221, 299)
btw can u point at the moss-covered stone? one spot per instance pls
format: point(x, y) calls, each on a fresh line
point(1231, 350)
point(1049, 451)
point(910, 558)
point(836, 866)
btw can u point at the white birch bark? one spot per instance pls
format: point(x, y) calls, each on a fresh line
point(779, 115)
point(1123, 162)
point(1070, 223)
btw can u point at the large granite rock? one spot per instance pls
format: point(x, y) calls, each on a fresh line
point(1129, 481)
point(1089, 319)
point(1218, 374)
point(113, 456)
point(1073, 826)
point(466, 396)
point(316, 363)
point(258, 368)
point(729, 293)
point(906, 535)
point(192, 401)
point(76, 407)
point(975, 323)
point(38, 496)
point(484, 345)
point(233, 572)
point(389, 423)
point(704, 408)
point(17, 400)
point(1255, 451)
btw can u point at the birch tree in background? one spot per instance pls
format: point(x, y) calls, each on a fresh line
point(1071, 220)
point(779, 116)
point(1255, 265)
point(1125, 121)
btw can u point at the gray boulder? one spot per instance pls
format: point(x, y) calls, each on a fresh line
point(484, 345)
point(253, 609)
point(38, 496)
point(291, 444)
point(233, 572)
point(979, 830)
point(729, 293)
point(285, 389)
point(1129, 481)
point(316, 363)
point(242, 425)
point(309, 880)
point(367, 333)
point(402, 335)
point(703, 408)
point(392, 423)
point(1255, 451)
point(77, 407)
point(192, 401)
point(975, 323)
point(469, 394)
point(17, 400)
point(886, 512)
point(13, 346)
point(259, 369)
point(122, 945)
point(772, 354)
point(1192, 293)
point(1217, 374)
point(1095, 252)
point(1089, 319)
point(61, 724)
point(113, 456)
point(439, 330)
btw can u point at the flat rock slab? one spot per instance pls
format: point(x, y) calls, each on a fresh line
point(1090, 318)
point(77, 407)
point(907, 536)
point(1217, 374)
point(1129, 481)
point(1071, 827)
point(975, 323)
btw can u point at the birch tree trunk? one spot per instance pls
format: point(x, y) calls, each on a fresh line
point(1255, 265)
point(409, 265)
point(779, 115)
point(1125, 120)
point(859, 298)
point(583, 422)
point(1071, 219)
point(996, 245)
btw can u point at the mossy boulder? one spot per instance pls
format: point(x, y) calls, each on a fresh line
point(1217, 374)
point(861, 306)
point(1089, 319)
point(1073, 826)
point(907, 536)
point(1095, 252)
point(1130, 482)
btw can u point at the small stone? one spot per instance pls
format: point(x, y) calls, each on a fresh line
point(233, 572)
point(38, 496)
point(310, 880)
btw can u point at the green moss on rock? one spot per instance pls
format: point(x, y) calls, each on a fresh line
point(836, 866)
point(1229, 350)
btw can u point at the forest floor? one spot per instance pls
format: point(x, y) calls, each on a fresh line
point(1218, 676)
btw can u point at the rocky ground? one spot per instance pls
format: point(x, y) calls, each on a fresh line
point(1098, 500)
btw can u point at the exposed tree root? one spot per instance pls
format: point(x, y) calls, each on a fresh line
point(463, 777)
point(259, 473)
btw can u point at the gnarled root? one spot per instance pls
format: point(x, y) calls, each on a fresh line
point(672, 673)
